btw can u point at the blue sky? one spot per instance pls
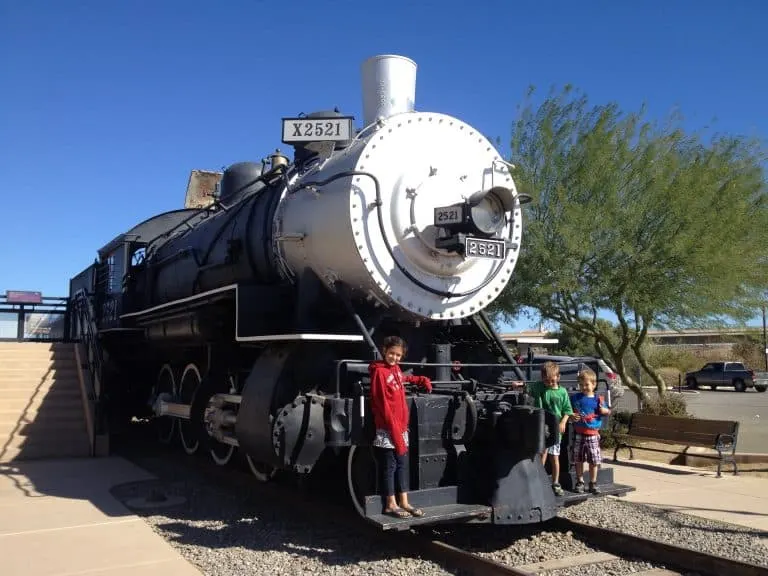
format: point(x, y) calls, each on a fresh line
point(105, 107)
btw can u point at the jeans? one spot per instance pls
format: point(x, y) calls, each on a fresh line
point(393, 465)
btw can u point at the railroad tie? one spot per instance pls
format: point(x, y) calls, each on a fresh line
point(568, 562)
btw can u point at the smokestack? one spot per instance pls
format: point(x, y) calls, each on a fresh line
point(389, 87)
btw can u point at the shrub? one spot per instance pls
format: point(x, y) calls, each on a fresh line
point(618, 423)
point(681, 359)
point(749, 351)
point(670, 404)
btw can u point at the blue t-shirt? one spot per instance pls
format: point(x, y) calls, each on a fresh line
point(590, 421)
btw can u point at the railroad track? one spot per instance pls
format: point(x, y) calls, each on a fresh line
point(426, 542)
point(615, 545)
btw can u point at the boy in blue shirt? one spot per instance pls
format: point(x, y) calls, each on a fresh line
point(588, 412)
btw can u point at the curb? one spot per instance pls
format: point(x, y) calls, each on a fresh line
point(674, 390)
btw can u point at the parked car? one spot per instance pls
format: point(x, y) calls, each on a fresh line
point(607, 378)
point(761, 381)
point(714, 374)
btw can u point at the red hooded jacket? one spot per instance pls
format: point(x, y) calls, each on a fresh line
point(390, 412)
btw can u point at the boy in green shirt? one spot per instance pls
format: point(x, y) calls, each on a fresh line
point(552, 398)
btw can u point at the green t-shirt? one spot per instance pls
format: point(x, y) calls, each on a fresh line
point(554, 400)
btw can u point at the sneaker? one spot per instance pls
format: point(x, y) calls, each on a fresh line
point(580, 487)
point(558, 489)
point(593, 489)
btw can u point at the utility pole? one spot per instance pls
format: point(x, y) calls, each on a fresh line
point(765, 340)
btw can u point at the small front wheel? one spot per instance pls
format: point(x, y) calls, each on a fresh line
point(761, 388)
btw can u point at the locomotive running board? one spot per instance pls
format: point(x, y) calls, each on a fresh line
point(434, 514)
point(438, 504)
point(242, 296)
point(571, 498)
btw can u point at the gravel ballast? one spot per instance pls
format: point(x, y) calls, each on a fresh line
point(228, 531)
point(710, 536)
point(230, 534)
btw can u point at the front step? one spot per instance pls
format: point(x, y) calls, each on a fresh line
point(432, 515)
point(570, 498)
point(41, 404)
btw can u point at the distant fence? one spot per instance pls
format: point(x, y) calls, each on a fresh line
point(30, 316)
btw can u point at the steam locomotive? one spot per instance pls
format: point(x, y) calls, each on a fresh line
point(247, 324)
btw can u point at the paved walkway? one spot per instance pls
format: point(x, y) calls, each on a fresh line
point(57, 518)
point(741, 500)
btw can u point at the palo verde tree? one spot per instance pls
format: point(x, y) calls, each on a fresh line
point(657, 227)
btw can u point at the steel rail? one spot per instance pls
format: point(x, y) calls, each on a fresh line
point(677, 557)
point(466, 561)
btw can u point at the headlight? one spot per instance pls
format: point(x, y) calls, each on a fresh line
point(488, 215)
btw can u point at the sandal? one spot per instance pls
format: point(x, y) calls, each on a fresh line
point(414, 512)
point(396, 513)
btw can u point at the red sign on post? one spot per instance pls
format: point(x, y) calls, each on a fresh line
point(23, 297)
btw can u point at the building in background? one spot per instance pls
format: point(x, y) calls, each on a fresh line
point(539, 342)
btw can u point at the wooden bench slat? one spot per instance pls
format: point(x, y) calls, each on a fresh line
point(687, 439)
point(671, 423)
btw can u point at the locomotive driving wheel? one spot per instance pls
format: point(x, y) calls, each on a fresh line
point(165, 426)
point(190, 382)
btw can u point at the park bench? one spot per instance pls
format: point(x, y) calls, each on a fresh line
point(720, 435)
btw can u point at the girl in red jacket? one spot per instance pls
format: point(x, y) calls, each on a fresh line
point(390, 413)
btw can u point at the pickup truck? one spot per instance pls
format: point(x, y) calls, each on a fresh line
point(714, 374)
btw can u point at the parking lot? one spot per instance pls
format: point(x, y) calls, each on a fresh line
point(749, 408)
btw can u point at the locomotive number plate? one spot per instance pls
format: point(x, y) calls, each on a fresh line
point(317, 129)
point(448, 215)
point(482, 248)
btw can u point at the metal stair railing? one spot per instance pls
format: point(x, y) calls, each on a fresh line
point(88, 338)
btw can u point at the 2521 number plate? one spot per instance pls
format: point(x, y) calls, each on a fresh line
point(483, 248)
point(317, 129)
point(448, 215)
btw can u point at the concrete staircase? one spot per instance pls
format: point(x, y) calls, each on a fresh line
point(42, 411)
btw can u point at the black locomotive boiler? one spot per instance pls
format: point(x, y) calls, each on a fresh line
point(247, 325)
